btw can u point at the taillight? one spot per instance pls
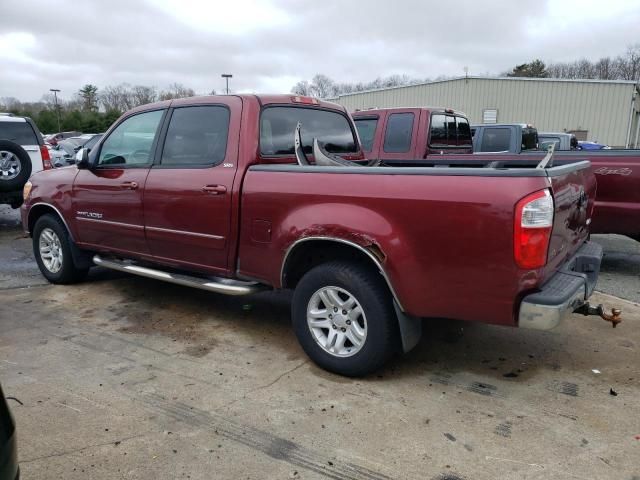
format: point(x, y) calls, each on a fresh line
point(46, 158)
point(532, 229)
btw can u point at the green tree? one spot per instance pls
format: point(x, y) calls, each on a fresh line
point(534, 69)
point(71, 120)
point(89, 96)
point(47, 121)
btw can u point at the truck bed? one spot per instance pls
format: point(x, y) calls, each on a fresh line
point(418, 221)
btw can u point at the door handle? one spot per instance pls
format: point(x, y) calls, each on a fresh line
point(129, 185)
point(214, 189)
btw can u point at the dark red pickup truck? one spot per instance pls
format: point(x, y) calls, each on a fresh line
point(218, 193)
point(617, 207)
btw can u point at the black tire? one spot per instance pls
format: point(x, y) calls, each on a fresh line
point(68, 271)
point(371, 292)
point(14, 150)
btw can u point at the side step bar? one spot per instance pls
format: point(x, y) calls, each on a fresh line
point(225, 286)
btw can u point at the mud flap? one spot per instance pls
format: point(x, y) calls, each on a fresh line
point(410, 329)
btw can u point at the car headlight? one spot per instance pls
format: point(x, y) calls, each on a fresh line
point(26, 190)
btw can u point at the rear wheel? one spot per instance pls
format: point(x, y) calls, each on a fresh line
point(52, 249)
point(15, 166)
point(344, 319)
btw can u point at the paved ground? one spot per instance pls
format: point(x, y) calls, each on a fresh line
point(124, 377)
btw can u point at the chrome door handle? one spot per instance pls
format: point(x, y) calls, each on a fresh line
point(129, 185)
point(214, 189)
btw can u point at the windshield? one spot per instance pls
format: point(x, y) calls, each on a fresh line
point(277, 125)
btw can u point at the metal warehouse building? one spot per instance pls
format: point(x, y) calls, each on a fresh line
point(607, 111)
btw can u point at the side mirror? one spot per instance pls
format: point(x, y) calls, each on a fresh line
point(83, 163)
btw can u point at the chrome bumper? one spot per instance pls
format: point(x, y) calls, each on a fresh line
point(566, 291)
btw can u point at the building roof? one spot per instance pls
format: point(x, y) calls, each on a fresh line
point(511, 79)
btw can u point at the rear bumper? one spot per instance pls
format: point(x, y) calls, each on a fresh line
point(568, 289)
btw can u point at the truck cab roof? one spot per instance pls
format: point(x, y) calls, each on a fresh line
point(262, 99)
point(370, 111)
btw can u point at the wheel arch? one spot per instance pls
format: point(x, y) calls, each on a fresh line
point(306, 253)
point(39, 209)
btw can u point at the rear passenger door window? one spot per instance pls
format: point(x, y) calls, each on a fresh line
point(397, 137)
point(196, 136)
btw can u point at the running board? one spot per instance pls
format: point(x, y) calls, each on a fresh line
point(225, 286)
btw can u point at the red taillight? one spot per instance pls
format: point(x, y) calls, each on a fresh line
point(532, 229)
point(46, 158)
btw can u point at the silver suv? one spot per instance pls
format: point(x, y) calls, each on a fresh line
point(22, 152)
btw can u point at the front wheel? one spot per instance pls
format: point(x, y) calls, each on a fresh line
point(52, 249)
point(344, 319)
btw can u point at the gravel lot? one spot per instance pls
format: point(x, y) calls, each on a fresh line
point(124, 377)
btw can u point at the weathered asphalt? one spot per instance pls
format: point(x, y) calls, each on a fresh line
point(124, 377)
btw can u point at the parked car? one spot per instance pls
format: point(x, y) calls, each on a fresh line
point(401, 133)
point(504, 137)
point(254, 191)
point(22, 152)
point(88, 146)
point(592, 146)
point(63, 153)
point(54, 138)
point(8, 442)
point(560, 141)
point(81, 140)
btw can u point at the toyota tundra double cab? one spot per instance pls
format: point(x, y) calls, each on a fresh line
point(239, 193)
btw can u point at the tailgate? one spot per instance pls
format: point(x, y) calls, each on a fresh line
point(573, 187)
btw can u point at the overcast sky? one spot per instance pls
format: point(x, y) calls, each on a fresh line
point(268, 45)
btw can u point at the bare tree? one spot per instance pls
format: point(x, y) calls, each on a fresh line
point(176, 90)
point(117, 97)
point(141, 95)
point(322, 86)
point(303, 87)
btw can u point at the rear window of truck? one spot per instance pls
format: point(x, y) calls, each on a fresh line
point(18, 132)
point(450, 131)
point(277, 125)
point(496, 139)
point(366, 131)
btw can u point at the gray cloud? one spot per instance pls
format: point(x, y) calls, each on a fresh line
point(65, 44)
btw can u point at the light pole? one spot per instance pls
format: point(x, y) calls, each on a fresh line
point(55, 98)
point(227, 76)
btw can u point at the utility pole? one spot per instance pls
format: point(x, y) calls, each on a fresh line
point(227, 76)
point(55, 98)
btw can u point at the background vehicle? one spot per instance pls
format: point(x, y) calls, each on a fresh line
point(8, 442)
point(617, 171)
point(503, 137)
point(592, 146)
point(22, 152)
point(395, 133)
point(367, 250)
point(80, 140)
point(63, 153)
point(88, 145)
point(54, 138)
point(560, 140)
